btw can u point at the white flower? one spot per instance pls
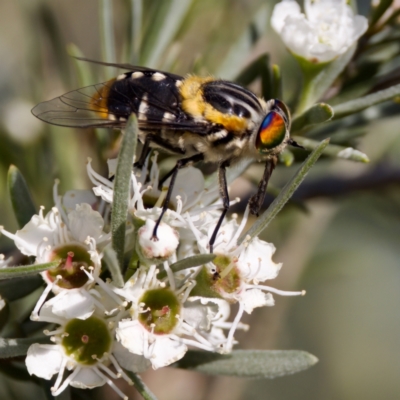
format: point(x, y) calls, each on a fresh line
point(84, 342)
point(236, 272)
point(75, 238)
point(326, 30)
point(160, 326)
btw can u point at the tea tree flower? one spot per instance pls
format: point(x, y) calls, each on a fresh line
point(84, 342)
point(326, 30)
point(160, 326)
point(73, 238)
point(236, 272)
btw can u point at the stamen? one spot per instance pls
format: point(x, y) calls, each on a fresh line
point(229, 341)
point(170, 274)
point(67, 381)
point(276, 291)
point(111, 384)
point(60, 374)
point(96, 178)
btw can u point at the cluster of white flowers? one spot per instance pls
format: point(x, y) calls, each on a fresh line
point(102, 330)
point(326, 30)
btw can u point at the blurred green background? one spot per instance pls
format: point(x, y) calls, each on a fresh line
point(344, 250)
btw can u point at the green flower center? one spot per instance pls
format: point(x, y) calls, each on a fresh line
point(86, 340)
point(72, 259)
point(226, 278)
point(162, 307)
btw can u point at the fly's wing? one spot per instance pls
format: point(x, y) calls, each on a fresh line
point(82, 108)
point(152, 95)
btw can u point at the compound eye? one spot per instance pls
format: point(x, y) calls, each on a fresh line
point(272, 132)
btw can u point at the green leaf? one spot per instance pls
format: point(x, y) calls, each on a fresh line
point(119, 210)
point(317, 114)
point(189, 262)
point(286, 193)
point(107, 41)
point(318, 78)
point(377, 11)
point(249, 363)
point(19, 287)
point(140, 386)
point(26, 270)
point(110, 258)
point(82, 68)
point(21, 199)
point(136, 30)
point(356, 105)
point(332, 150)
point(286, 157)
point(276, 82)
point(168, 21)
point(260, 68)
point(19, 347)
point(4, 314)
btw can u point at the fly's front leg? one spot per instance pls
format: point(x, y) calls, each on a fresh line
point(257, 200)
point(223, 191)
point(180, 163)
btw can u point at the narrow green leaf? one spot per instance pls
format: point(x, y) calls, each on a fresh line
point(4, 314)
point(107, 34)
point(317, 114)
point(169, 23)
point(82, 68)
point(136, 29)
point(285, 194)
point(356, 105)
point(286, 157)
point(318, 79)
point(232, 62)
point(26, 270)
point(20, 195)
point(276, 82)
point(260, 68)
point(189, 262)
point(19, 287)
point(333, 150)
point(249, 363)
point(141, 386)
point(110, 258)
point(19, 347)
point(377, 10)
point(119, 210)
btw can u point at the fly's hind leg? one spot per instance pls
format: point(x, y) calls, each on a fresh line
point(173, 173)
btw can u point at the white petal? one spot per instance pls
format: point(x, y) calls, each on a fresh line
point(164, 247)
point(188, 193)
point(130, 361)
point(74, 197)
point(33, 233)
point(255, 262)
point(256, 298)
point(132, 336)
point(74, 303)
point(87, 379)
point(84, 222)
point(166, 351)
point(43, 360)
point(283, 10)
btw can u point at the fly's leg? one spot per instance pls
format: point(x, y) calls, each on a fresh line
point(173, 173)
point(223, 191)
point(257, 200)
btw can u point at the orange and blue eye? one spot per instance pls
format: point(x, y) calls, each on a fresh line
point(272, 132)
